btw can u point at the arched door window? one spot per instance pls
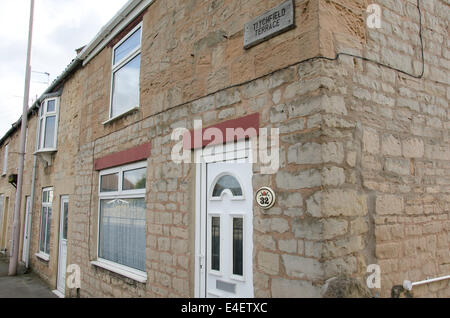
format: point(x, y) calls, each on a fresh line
point(227, 183)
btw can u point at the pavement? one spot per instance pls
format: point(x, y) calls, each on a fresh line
point(24, 285)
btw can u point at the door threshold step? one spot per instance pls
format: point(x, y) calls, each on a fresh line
point(58, 293)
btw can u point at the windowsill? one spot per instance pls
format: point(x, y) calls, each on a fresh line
point(132, 110)
point(43, 256)
point(44, 151)
point(45, 155)
point(136, 275)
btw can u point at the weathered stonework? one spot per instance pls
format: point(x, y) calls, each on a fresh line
point(364, 149)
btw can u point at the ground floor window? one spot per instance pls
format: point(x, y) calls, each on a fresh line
point(122, 216)
point(46, 221)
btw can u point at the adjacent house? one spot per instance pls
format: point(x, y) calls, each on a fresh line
point(363, 150)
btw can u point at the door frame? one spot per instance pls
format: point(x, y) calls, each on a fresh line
point(64, 199)
point(244, 150)
point(26, 231)
point(4, 223)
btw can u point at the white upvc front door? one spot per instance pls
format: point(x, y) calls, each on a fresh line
point(26, 231)
point(224, 231)
point(62, 256)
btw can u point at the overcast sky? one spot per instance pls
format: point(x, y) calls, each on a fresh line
point(60, 27)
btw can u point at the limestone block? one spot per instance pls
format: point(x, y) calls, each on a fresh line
point(388, 204)
point(413, 148)
point(339, 202)
point(371, 142)
point(391, 146)
point(301, 267)
point(268, 263)
point(298, 179)
point(288, 288)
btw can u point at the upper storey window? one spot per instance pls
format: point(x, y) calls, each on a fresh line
point(5, 161)
point(126, 64)
point(48, 124)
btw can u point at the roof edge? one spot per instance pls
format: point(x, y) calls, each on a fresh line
point(125, 15)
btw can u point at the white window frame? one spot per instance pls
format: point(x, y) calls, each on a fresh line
point(124, 270)
point(5, 160)
point(118, 65)
point(42, 254)
point(43, 114)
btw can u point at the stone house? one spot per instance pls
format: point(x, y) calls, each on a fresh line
point(364, 153)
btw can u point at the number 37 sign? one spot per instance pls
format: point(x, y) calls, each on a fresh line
point(265, 197)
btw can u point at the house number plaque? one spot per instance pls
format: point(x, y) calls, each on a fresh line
point(265, 197)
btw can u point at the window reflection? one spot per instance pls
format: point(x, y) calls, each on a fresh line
point(227, 182)
point(127, 46)
point(126, 87)
point(109, 183)
point(215, 244)
point(122, 232)
point(238, 245)
point(134, 179)
point(50, 127)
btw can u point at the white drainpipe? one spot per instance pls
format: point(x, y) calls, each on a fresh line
point(409, 285)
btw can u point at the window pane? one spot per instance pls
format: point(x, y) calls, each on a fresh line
point(127, 46)
point(50, 127)
point(41, 127)
point(109, 183)
point(5, 159)
point(66, 219)
point(122, 232)
point(45, 196)
point(51, 106)
point(126, 87)
point(134, 179)
point(215, 244)
point(48, 227)
point(43, 226)
point(227, 182)
point(238, 245)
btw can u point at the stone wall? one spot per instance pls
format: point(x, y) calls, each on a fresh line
point(10, 191)
point(395, 141)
